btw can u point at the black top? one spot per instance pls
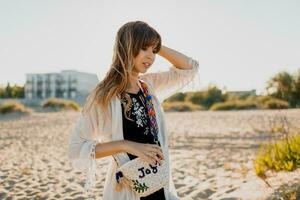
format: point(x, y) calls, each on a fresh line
point(138, 130)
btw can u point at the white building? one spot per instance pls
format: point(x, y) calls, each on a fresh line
point(68, 84)
point(243, 93)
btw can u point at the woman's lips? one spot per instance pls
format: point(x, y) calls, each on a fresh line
point(146, 64)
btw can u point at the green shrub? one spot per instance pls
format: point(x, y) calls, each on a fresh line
point(60, 104)
point(235, 105)
point(259, 102)
point(261, 99)
point(282, 155)
point(13, 106)
point(181, 106)
point(276, 104)
point(195, 97)
point(207, 97)
point(269, 102)
point(176, 97)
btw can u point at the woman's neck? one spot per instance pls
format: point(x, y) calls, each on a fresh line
point(133, 86)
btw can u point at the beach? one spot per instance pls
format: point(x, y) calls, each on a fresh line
point(211, 154)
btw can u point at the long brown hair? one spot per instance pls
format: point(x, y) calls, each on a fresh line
point(130, 39)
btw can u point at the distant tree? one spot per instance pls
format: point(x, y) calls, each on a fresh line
point(296, 92)
point(207, 97)
point(17, 91)
point(7, 92)
point(286, 87)
point(2, 92)
point(176, 97)
point(12, 92)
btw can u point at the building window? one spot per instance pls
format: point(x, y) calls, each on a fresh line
point(73, 94)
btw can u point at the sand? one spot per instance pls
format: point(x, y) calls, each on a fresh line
point(212, 156)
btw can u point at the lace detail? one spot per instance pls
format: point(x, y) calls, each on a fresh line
point(91, 171)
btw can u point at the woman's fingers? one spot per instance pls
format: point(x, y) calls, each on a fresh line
point(153, 153)
point(157, 151)
point(154, 146)
point(158, 154)
point(153, 157)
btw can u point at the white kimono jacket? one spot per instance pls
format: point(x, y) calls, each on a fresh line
point(90, 130)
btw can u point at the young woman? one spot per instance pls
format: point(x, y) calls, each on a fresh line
point(114, 120)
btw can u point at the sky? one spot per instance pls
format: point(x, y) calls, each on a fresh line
point(239, 44)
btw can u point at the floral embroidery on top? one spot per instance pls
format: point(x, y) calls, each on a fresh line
point(146, 131)
point(140, 113)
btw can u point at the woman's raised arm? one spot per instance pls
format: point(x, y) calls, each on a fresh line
point(177, 59)
point(184, 70)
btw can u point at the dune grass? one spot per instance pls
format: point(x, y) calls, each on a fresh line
point(282, 155)
point(60, 104)
point(264, 102)
point(181, 106)
point(14, 107)
point(235, 105)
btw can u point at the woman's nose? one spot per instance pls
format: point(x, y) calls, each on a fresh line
point(150, 54)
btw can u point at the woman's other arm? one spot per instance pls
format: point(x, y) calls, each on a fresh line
point(177, 59)
point(109, 148)
point(148, 152)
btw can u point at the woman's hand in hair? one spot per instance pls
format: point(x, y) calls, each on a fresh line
point(150, 153)
point(177, 59)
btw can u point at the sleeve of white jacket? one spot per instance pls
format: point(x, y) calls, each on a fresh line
point(167, 83)
point(82, 143)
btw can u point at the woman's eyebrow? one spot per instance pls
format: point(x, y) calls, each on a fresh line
point(153, 46)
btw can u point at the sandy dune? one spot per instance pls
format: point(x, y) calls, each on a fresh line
point(211, 152)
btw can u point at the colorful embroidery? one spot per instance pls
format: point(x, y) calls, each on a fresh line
point(151, 112)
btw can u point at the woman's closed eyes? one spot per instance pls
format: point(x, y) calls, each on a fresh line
point(155, 50)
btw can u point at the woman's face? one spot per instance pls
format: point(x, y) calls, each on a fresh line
point(143, 61)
